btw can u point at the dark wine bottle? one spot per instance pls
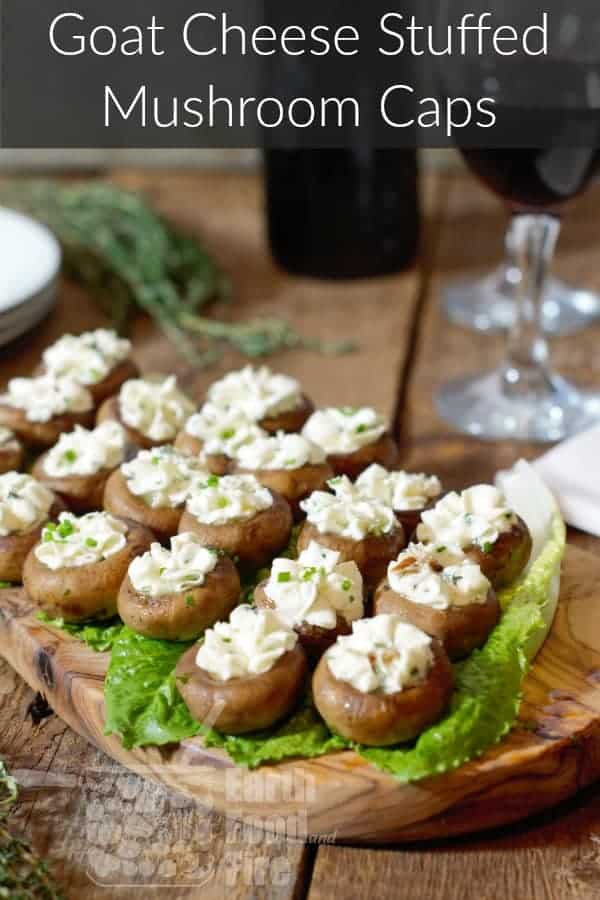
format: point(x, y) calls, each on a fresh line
point(342, 213)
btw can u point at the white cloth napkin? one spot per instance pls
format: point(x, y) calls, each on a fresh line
point(572, 472)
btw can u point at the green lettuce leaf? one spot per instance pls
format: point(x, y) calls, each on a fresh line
point(143, 705)
point(100, 636)
point(304, 734)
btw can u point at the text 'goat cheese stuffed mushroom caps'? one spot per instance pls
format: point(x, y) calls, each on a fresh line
point(11, 451)
point(317, 595)
point(245, 675)
point(76, 569)
point(39, 409)
point(353, 437)
point(383, 684)
point(99, 360)
point(287, 463)
point(408, 493)
point(447, 597)
point(478, 523)
point(359, 528)
point(153, 487)
point(175, 594)
point(25, 507)
point(151, 409)
point(238, 515)
point(273, 401)
point(78, 465)
point(217, 434)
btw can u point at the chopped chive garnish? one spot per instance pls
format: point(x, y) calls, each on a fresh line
point(284, 576)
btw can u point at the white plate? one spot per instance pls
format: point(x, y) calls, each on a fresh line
point(30, 259)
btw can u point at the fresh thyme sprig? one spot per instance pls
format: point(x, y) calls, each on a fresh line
point(23, 876)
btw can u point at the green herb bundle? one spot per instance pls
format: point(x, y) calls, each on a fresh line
point(131, 258)
point(22, 875)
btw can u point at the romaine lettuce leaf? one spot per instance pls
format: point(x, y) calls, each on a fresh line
point(304, 734)
point(143, 705)
point(100, 636)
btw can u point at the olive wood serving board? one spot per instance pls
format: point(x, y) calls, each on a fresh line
point(552, 752)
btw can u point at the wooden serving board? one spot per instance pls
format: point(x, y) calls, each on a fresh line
point(554, 750)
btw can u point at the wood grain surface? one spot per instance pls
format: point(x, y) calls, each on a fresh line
point(556, 855)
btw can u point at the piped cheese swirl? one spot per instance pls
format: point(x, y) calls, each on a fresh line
point(477, 516)
point(219, 500)
point(382, 654)
point(344, 429)
point(162, 477)
point(44, 397)
point(223, 430)
point(400, 490)
point(257, 392)
point(348, 513)
point(315, 589)
point(250, 643)
point(87, 357)
point(87, 452)
point(155, 407)
point(184, 566)
point(81, 541)
point(24, 503)
point(418, 575)
point(280, 451)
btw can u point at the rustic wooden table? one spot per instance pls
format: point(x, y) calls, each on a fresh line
point(90, 816)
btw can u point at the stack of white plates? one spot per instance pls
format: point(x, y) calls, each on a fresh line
point(30, 260)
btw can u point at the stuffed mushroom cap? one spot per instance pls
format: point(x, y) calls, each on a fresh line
point(318, 595)
point(25, 507)
point(37, 410)
point(383, 684)
point(250, 670)
point(478, 523)
point(353, 437)
point(238, 515)
point(79, 464)
point(272, 400)
point(218, 434)
point(408, 493)
point(99, 360)
point(448, 598)
point(152, 409)
point(76, 569)
point(175, 594)
point(359, 528)
point(152, 488)
point(287, 463)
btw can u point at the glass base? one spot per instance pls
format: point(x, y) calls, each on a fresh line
point(478, 406)
point(485, 304)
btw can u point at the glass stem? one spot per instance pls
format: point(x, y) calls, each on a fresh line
point(526, 370)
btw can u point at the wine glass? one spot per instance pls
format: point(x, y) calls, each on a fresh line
point(488, 304)
point(523, 399)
